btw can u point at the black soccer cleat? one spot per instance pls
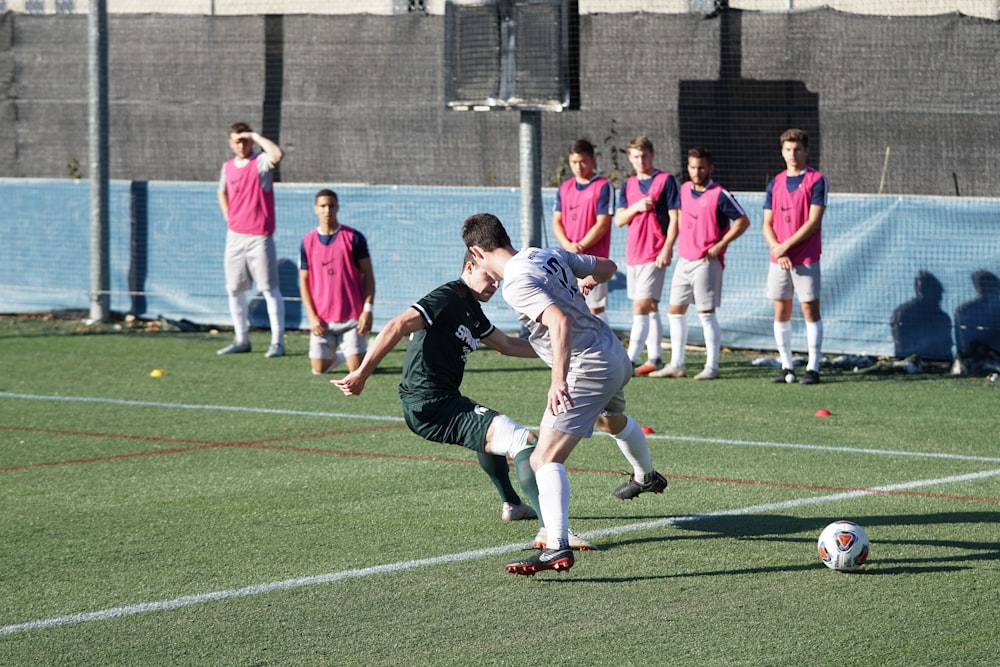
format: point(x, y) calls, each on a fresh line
point(560, 560)
point(654, 483)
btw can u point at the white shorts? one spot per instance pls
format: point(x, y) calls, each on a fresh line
point(338, 334)
point(249, 259)
point(697, 281)
point(594, 395)
point(598, 297)
point(644, 281)
point(803, 280)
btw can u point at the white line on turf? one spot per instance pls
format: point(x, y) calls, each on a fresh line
point(337, 415)
point(391, 568)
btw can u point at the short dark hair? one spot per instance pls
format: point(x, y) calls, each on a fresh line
point(240, 128)
point(486, 231)
point(582, 147)
point(701, 153)
point(326, 192)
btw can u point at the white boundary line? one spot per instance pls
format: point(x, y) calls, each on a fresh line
point(338, 415)
point(391, 568)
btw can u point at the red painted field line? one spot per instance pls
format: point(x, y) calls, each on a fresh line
point(262, 444)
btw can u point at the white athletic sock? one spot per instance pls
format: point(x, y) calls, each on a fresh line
point(783, 338)
point(276, 314)
point(553, 501)
point(710, 327)
point(636, 340)
point(632, 443)
point(814, 339)
point(239, 311)
point(603, 315)
point(654, 340)
point(678, 339)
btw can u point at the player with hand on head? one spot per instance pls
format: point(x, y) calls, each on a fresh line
point(704, 233)
point(581, 218)
point(793, 215)
point(444, 327)
point(337, 285)
point(246, 198)
point(589, 370)
point(649, 205)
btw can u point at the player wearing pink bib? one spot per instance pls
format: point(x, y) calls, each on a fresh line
point(338, 289)
point(704, 233)
point(793, 214)
point(246, 198)
point(581, 218)
point(649, 205)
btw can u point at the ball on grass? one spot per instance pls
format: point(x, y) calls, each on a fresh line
point(156, 373)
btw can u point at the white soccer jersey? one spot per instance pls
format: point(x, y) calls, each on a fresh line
point(535, 279)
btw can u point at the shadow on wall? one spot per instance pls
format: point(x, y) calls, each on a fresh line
point(920, 326)
point(977, 322)
point(740, 120)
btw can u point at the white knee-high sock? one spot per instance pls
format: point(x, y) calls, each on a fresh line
point(783, 338)
point(640, 329)
point(710, 327)
point(654, 339)
point(814, 339)
point(553, 503)
point(678, 339)
point(632, 443)
point(276, 314)
point(239, 311)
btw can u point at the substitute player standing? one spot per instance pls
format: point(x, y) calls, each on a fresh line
point(704, 233)
point(649, 205)
point(793, 215)
point(589, 370)
point(246, 198)
point(581, 218)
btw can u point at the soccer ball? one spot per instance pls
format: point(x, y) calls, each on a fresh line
point(843, 546)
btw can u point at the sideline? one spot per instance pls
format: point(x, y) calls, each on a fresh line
point(392, 568)
point(338, 415)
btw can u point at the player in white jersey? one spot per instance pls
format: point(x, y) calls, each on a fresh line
point(590, 369)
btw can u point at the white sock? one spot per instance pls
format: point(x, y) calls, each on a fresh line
point(710, 327)
point(814, 338)
point(654, 339)
point(553, 501)
point(632, 443)
point(240, 313)
point(276, 314)
point(783, 338)
point(640, 329)
point(603, 315)
point(678, 339)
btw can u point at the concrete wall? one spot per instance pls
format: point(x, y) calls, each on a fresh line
point(360, 98)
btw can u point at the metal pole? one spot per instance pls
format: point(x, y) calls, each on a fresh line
point(97, 122)
point(531, 178)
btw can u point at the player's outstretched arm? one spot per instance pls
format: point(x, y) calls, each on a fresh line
point(398, 327)
point(509, 345)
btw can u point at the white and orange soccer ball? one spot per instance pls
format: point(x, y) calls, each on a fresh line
point(843, 546)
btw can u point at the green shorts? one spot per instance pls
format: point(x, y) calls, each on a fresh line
point(455, 420)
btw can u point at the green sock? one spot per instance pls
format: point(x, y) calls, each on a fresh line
point(498, 470)
point(526, 478)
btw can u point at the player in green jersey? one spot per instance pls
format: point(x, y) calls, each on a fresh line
point(444, 327)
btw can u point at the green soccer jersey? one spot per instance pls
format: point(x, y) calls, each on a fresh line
point(454, 323)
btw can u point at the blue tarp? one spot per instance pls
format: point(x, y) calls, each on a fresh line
point(167, 238)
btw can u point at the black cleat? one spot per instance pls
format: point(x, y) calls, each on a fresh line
point(559, 560)
point(786, 375)
point(811, 377)
point(654, 483)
